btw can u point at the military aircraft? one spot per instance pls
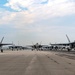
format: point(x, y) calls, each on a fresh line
point(2, 44)
point(37, 46)
point(69, 46)
point(15, 47)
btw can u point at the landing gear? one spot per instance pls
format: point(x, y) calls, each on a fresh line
point(1, 50)
point(17, 49)
point(69, 50)
point(32, 49)
point(12, 49)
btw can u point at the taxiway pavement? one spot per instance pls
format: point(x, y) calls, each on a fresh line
point(29, 62)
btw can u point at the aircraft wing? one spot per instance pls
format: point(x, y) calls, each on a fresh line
point(63, 44)
point(44, 45)
point(5, 44)
point(29, 45)
point(34, 46)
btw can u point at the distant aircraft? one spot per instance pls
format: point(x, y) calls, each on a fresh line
point(36, 46)
point(15, 47)
point(70, 45)
point(2, 44)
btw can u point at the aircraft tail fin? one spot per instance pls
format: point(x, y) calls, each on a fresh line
point(68, 38)
point(2, 40)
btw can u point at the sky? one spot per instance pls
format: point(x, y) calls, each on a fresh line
point(25, 22)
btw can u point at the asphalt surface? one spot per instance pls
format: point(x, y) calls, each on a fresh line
point(36, 63)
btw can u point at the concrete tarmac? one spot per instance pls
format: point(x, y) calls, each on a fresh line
point(36, 63)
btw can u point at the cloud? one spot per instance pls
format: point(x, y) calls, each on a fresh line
point(6, 17)
point(31, 11)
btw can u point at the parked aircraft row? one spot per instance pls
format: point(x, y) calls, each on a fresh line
point(17, 47)
point(13, 46)
point(69, 46)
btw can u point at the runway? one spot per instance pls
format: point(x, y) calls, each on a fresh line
point(27, 62)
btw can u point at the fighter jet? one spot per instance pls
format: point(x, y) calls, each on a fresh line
point(2, 44)
point(36, 46)
point(70, 45)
